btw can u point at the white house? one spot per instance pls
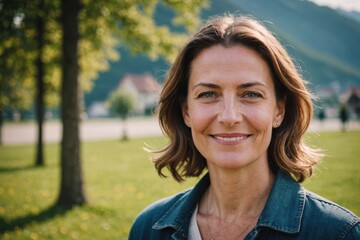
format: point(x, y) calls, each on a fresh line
point(98, 110)
point(144, 89)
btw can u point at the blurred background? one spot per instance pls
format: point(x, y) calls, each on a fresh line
point(322, 40)
point(79, 82)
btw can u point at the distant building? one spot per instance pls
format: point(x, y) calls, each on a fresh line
point(350, 93)
point(327, 101)
point(326, 92)
point(352, 99)
point(98, 110)
point(143, 88)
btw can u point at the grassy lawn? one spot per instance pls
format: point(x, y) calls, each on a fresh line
point(120, 181)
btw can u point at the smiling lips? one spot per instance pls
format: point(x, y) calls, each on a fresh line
point(230, 138)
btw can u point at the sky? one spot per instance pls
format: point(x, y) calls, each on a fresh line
point(349, 5)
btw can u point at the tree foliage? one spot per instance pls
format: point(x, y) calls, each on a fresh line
point(15, 83)
point(121, 103)
point(15, 80)
point(103, 25)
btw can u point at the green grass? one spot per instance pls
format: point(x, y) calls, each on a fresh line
point(338, 175)
point(120, 181)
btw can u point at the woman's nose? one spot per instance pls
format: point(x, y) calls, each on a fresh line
point(230, 113)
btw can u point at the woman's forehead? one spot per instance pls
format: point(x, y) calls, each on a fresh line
point(236, 62)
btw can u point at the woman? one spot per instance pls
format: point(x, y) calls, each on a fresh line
point(234, 104)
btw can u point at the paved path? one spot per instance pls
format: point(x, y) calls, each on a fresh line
point(25, 133)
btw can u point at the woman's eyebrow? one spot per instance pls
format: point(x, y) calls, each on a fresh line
point(241, 86)
point(208, 85)
point(251, 84)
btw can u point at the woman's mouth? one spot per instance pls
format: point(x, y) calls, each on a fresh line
point(230, 138)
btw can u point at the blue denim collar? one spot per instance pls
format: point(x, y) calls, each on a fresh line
point(179, 215)
point(283, 210)
point(285, 206)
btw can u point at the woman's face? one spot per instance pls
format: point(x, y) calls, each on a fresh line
point(231, 106)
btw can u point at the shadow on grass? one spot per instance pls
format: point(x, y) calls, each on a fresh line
point(22, 222)
point(16, 169)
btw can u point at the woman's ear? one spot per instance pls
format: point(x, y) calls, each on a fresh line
point(280, 112)
point(185, 113)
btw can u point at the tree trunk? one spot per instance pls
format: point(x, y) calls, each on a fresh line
point(1, 125)
point(71, 189)
point(124, 135)
point(40, 22)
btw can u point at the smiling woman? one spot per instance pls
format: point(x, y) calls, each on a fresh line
point(231, 108)
point(234, 104)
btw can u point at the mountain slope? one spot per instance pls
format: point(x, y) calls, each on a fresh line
point(323, 41)
point(326, 41)
point(321, 28)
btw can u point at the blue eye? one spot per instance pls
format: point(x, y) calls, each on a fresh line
point(207, 95)
point(253, 94)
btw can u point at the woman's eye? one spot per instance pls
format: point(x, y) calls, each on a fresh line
point(207, 95)
point(253, 94)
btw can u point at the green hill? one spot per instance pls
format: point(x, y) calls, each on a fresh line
point(323, 41)
point(353, 14)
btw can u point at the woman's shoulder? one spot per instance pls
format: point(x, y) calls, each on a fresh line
point(321, 211)
point(154, 212)
point(328, 208)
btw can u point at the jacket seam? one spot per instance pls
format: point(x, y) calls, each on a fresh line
point(159, 226)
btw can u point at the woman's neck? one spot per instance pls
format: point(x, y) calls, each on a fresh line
point(237, 194)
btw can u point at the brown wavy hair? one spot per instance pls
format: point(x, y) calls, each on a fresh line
point(287, 150)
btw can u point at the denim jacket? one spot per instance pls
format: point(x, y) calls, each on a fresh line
point(291, 212)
